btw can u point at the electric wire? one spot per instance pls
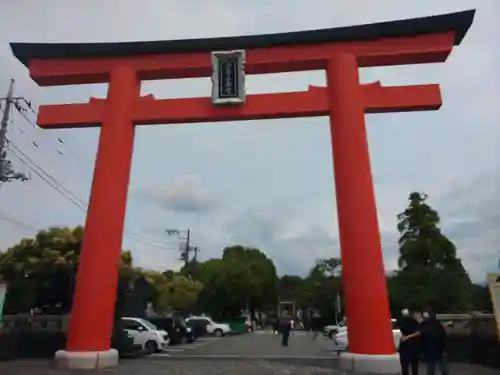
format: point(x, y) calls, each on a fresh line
point(16, 222)
point(60, 188)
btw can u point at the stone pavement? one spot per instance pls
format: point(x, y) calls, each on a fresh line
point(301, 345)
point(174, 350)
point(173, 367)
point(252, 354)
point(189, 366)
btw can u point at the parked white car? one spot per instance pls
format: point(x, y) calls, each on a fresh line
point(331, 330)
point(213, 328)
point(146, 334)
point(341, 342)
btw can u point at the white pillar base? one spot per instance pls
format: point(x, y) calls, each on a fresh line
point(86, 360)
point(370, 363)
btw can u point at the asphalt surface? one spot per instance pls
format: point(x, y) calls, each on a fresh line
point(173, 366)
point(261, 344)
point(249, 354)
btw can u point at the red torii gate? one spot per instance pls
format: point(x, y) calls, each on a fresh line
point(339, 51)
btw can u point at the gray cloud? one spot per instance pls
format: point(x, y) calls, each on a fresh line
point(266, 183)
point(473, 220)
point(292, 241)
point(185, 195)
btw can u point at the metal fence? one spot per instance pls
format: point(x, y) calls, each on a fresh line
point(40, 336)
point(473, 338)
point(26, 322)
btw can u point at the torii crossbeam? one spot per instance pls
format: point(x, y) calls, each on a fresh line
point(340, 52)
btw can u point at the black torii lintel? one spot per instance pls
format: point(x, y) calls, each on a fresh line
point(459, 23)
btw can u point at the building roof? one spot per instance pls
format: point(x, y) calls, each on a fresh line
point(458, 22)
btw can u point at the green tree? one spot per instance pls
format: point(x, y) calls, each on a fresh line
point(329, 266)
point(321, 287)
point(176, 293)
point(40, 270)
point(263, 283)
point(481, 298)
point(182, 293)
point(430, 271)
point(290, 287)
point(226, 286)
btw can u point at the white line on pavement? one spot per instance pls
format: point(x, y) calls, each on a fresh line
point(239, 356)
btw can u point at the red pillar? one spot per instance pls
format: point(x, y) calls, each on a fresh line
point(92, 315)
point(363, 274)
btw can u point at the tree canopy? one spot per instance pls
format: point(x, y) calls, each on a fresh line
point(39, 270)
point(430, 271)
point(244, 278)
point(41, 273)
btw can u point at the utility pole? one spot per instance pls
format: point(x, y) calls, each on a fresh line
point(185, 247)
point(3, 127)
point(6, 171)
point(196, 250)
point(186, 250)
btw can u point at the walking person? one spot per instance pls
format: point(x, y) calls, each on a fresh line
point(276, 325)
point(285, 327)
point(316, 325)
point(433, 339)
point(248, 325)
point(409, 343)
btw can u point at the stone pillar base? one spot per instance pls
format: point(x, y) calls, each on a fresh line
point(370, 363)
point(86, 360)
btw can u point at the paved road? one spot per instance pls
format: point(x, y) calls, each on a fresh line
point(173, 366)
point(252, 354)
point(258, 345)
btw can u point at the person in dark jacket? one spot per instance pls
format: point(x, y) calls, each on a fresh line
point(285, 328)
point(276, 325)
point(409, 344)
point(433, 340)
point(316, 325)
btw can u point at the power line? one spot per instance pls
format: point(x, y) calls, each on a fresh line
point(50, 180)
point(47, 178)
point(5, 122)
point(20, 223)
point(16, 222)
point(186, 249)
point(77, 202)
point(60, 141)
point(68, 194)
point(7, 173)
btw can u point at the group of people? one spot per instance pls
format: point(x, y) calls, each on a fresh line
point(422, 339)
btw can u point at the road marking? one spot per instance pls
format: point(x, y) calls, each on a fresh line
point(293, 333)
point(181, 348)
point(191, 347)
point(174, 350)
point(239, 356)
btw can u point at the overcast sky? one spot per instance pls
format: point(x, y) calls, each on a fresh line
point(267, 184)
